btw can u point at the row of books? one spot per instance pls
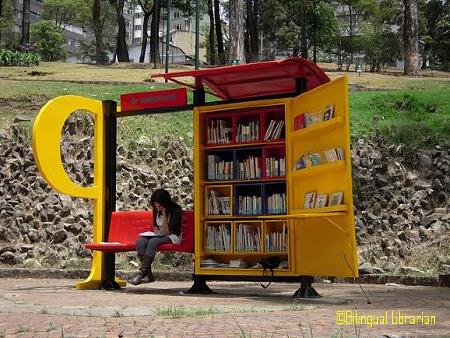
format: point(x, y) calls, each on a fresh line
point(277, 241)
point(248, 238)
point(274, 130)
point(249, 168)
point(247, 132)
point(314, 200)
point(218, 132)
point(275, 166)
point(313, 159)
point(249, 205)
point(276, 204)
point(218, 205)
point(308, 119)
point(219, 169)
point(218, 238)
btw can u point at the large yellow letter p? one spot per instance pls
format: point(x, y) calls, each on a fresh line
point(47, 133)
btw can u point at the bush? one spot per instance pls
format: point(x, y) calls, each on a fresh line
point(49, 40)
point(15, 58)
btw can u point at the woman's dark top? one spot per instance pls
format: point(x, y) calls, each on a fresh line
point(174, 219)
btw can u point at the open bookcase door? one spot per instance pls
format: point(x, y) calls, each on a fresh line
point(325, 242)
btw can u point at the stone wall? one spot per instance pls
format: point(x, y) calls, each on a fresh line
point(401, 203)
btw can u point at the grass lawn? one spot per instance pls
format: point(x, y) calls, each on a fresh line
point(418, 110)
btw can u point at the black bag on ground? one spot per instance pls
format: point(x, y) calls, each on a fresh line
point(269, 263)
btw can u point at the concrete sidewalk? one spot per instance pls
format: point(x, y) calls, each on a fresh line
point(54, 308)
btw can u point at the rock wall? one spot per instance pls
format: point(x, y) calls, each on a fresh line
point(401, 203)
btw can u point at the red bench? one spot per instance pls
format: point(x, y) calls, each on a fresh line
point(126, 226)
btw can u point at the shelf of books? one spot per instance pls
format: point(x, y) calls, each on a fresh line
point(273, 178)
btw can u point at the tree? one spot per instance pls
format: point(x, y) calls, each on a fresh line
point(154, 34)
point(121, 42)
point(25, 38)
point(6, 17)
point(237, 30)
point(97, 23)
point(322, 27)
point(252, 30)
point(410, 38)
point(434, 31)
point(62, 12)
point(212, 34)
point(147, 8)
point(49, 40)
point(219, 35)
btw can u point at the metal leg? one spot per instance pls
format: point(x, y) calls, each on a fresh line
point(200, 287)
point(306, 290)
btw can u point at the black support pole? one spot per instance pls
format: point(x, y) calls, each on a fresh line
point(301, 85)
point(199, 97)
point(110, 143)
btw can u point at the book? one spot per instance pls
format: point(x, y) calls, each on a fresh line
point(328, 113)
point(310, 198)
point(299, 122)
point(321, 200)
point(151, 234)
point(313, 118)
point(336, 198)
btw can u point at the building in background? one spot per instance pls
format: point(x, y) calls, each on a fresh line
point(181, 37)
point(73, 35)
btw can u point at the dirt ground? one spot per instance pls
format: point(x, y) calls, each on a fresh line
point(54, 308)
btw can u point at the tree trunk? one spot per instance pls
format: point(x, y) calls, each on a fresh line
point(121, 43)
point(303, 35)
point(147, 12)
point(411, 38)
point(98, 30)
point(154, 34)
point(350, 33)
point(25, 22)
point(219, 36)
point(252, 31)
point(212, 43)
point(1, 13)
point(237, 31)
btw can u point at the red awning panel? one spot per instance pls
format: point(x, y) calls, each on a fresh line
point(253, 79)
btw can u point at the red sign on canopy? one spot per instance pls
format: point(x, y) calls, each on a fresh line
point(154, 99)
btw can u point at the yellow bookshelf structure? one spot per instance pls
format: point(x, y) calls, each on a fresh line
point(316, 241)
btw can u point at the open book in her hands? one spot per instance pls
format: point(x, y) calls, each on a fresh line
point(155, 233)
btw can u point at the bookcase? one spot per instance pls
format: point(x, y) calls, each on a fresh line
point(273, 178)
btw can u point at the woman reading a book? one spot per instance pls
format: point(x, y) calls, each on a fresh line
point(166, 229)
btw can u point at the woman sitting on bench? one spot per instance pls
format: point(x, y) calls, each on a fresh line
point(166, 225)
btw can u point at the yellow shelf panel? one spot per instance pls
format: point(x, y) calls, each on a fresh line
point(319, 169)
point(254, 180)
point(220, 217)
point(317, 128)
point(324, 210)
point(245, 145)
point(243, 272)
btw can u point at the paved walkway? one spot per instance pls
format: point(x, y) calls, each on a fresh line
point(54, 308)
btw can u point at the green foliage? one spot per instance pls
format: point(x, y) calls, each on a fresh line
point(418, 119)
point(49, 40)
point(6, 18)
point(178, 311)
point(16, 58)
point(61, 12)
point(434, 31)
point(280, 22)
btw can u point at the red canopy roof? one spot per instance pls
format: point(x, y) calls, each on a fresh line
point(253, 79)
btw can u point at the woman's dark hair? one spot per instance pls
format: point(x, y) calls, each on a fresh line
point(161, 196)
